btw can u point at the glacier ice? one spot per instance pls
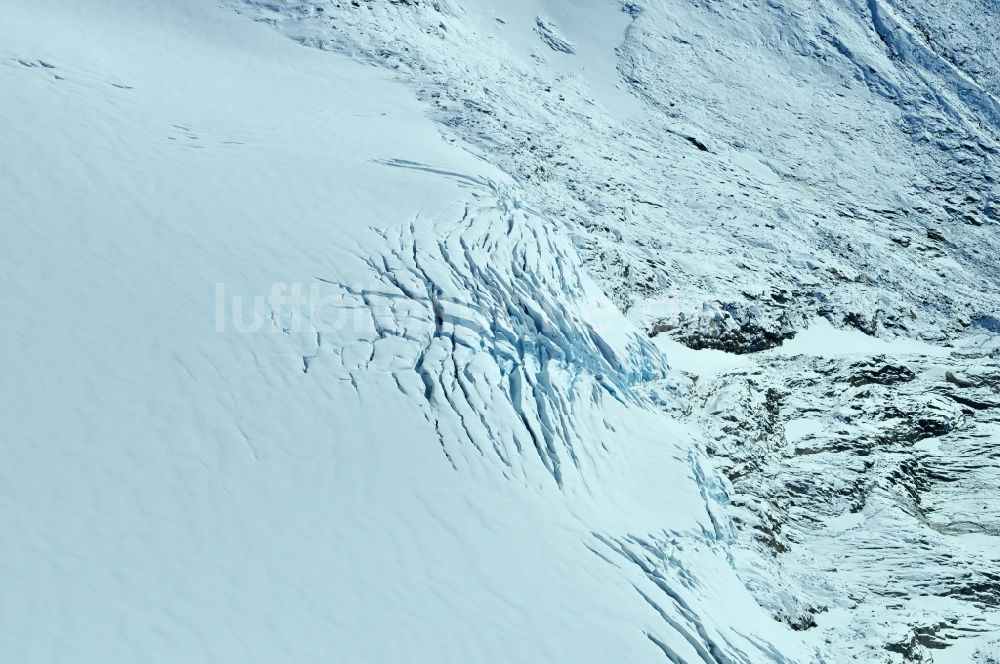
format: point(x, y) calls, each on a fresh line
point(530, 332)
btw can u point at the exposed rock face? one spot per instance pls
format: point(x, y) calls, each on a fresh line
point(734, 327)
point(863, 479)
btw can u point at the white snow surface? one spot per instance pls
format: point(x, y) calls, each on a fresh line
point(532, 331)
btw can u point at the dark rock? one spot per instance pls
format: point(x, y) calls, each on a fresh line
point(867, 374)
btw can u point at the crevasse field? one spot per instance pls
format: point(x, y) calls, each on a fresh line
point(536, 331)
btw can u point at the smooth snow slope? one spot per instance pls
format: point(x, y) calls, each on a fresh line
point(466, 454)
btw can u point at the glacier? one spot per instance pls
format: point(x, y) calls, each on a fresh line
point(536, 331)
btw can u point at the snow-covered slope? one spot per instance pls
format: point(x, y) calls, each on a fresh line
point(529, 332)
point(446, 453)
point(785, 159)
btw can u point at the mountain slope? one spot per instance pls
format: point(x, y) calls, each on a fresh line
point(294, 380)
point(732, 174)
point(659, 331)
